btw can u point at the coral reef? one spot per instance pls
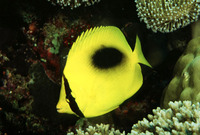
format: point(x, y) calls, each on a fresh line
point(74, 30)
point(15, 103)
point(36, 37)
point(46, 41)
point(17, 113)
point(98, 129)
point(167, 15)
point(3, 58)
point(180, 118)
point(37, 42)
point(185, 84)
point(74, 3)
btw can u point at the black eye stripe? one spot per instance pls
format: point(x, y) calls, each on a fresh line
point(72, 103)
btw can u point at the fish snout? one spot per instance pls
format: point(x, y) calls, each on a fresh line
point(59, 108)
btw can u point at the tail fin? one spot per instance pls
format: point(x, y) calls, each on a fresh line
point(137, 53)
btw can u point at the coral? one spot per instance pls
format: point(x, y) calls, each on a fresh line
point(185, 84)
point(167, 15)
point(76, 28)
point(98, 129)
point(181, 118)
point(28, 16)
point(132, 107)
point(123, 115)
point(17, 113)
point(47, 40)
point(16, 105)
point(3, 58)
point(45, 43)
point(74, 3)
point(14, 86)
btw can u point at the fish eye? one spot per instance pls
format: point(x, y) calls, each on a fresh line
point(107, 57)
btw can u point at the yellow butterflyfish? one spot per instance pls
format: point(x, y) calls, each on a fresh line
point(101, 72)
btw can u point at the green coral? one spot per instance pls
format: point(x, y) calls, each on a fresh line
point(54, 32)
point(56, 44)
point(185, 84)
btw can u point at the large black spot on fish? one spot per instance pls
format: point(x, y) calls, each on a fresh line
point(107, 57)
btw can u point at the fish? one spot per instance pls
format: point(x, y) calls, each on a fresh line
point(101, 72)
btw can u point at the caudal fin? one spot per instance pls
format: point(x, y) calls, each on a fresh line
point(137, 53)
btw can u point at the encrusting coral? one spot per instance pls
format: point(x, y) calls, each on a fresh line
point(47, 40)
point(180, 118)
point(167, 15)
point(16, 103)
point(185, 84)
point(73, 3)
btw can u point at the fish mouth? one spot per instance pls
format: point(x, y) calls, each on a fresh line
point(59, 110)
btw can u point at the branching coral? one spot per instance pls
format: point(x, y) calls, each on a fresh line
point(181, 118)
point(74, 3)
point(167, 15)
point(98, 129)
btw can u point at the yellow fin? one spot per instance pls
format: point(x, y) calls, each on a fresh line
point(137, 53)
point(94, 38)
